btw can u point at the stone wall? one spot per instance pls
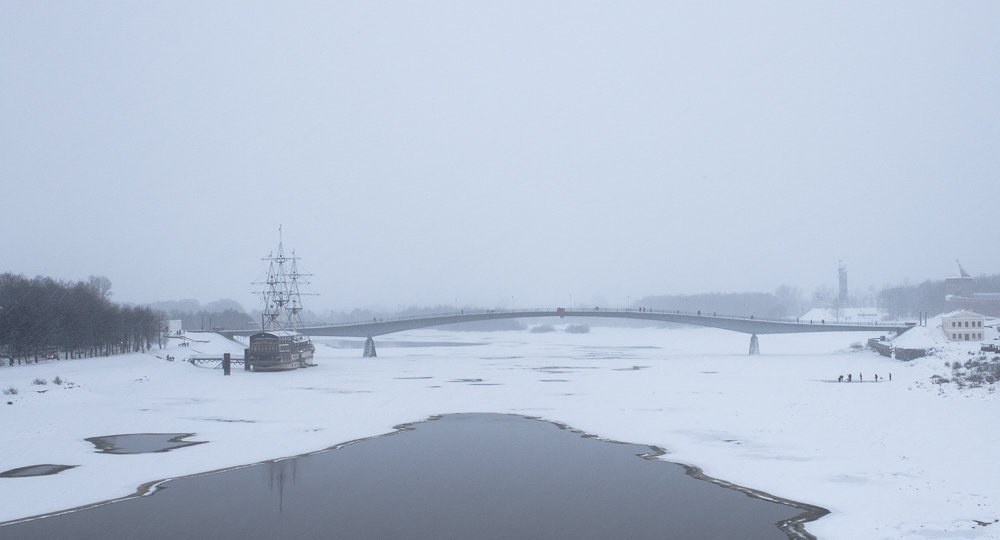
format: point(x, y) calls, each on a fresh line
point(885, 348)
point(881, 347)
point(910, 354)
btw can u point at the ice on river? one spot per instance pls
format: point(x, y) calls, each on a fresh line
point(900, 459)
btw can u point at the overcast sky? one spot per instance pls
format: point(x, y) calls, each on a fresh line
point(492, 153)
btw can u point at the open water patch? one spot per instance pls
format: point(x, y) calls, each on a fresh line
point(35, 470)
point(141, 443)
point(488, 476)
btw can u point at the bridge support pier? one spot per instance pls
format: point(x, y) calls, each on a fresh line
point(754, 346)
point(369, 348)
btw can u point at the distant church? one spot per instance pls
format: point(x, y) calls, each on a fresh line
point(959, 295)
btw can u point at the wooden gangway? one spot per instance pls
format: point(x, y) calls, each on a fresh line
point(205, 361)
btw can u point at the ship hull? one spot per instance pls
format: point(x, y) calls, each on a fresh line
point(279, 351)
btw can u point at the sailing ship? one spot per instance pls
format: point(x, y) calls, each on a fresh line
point(280, 346)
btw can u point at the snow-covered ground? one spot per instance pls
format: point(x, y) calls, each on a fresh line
point(931, 336)
point(899, 459)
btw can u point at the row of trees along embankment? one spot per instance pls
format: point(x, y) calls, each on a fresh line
point(42, 318)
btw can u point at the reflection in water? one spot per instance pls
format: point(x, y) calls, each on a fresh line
point(278, 473)
point(460, 476)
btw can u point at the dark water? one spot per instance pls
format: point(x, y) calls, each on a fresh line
point(461, 476)
point(35, 470)
point(141, 443)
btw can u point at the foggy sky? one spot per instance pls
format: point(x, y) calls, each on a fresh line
point(498, 153)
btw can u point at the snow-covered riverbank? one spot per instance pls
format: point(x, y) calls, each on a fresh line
point(895, 459)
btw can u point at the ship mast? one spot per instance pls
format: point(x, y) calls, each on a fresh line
point(280, 291)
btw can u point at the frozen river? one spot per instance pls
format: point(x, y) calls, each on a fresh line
point(884, 458)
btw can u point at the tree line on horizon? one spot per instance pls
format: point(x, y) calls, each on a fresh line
point(45, 318)
point(223, 314)
point(42, 318)
point(896, 301)
point(928, 296)
point(203, 319)
point(784, 302)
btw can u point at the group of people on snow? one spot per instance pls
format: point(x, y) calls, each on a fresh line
point(861, 377)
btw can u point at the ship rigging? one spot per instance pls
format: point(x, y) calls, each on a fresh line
point(280, 346)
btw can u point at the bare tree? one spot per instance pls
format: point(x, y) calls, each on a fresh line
point(100, 285)
point(42, 318)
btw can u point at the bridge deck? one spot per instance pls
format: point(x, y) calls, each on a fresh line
point(747, 325)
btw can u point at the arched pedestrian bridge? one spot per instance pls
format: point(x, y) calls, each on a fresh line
point(746, 325)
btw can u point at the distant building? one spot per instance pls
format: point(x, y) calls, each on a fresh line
point(959, 295)
point(963, 325)
point(842, 280)
point(959, 286)
point(174, 327)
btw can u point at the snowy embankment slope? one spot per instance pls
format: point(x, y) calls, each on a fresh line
point(899, 459)
point(932, 337)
